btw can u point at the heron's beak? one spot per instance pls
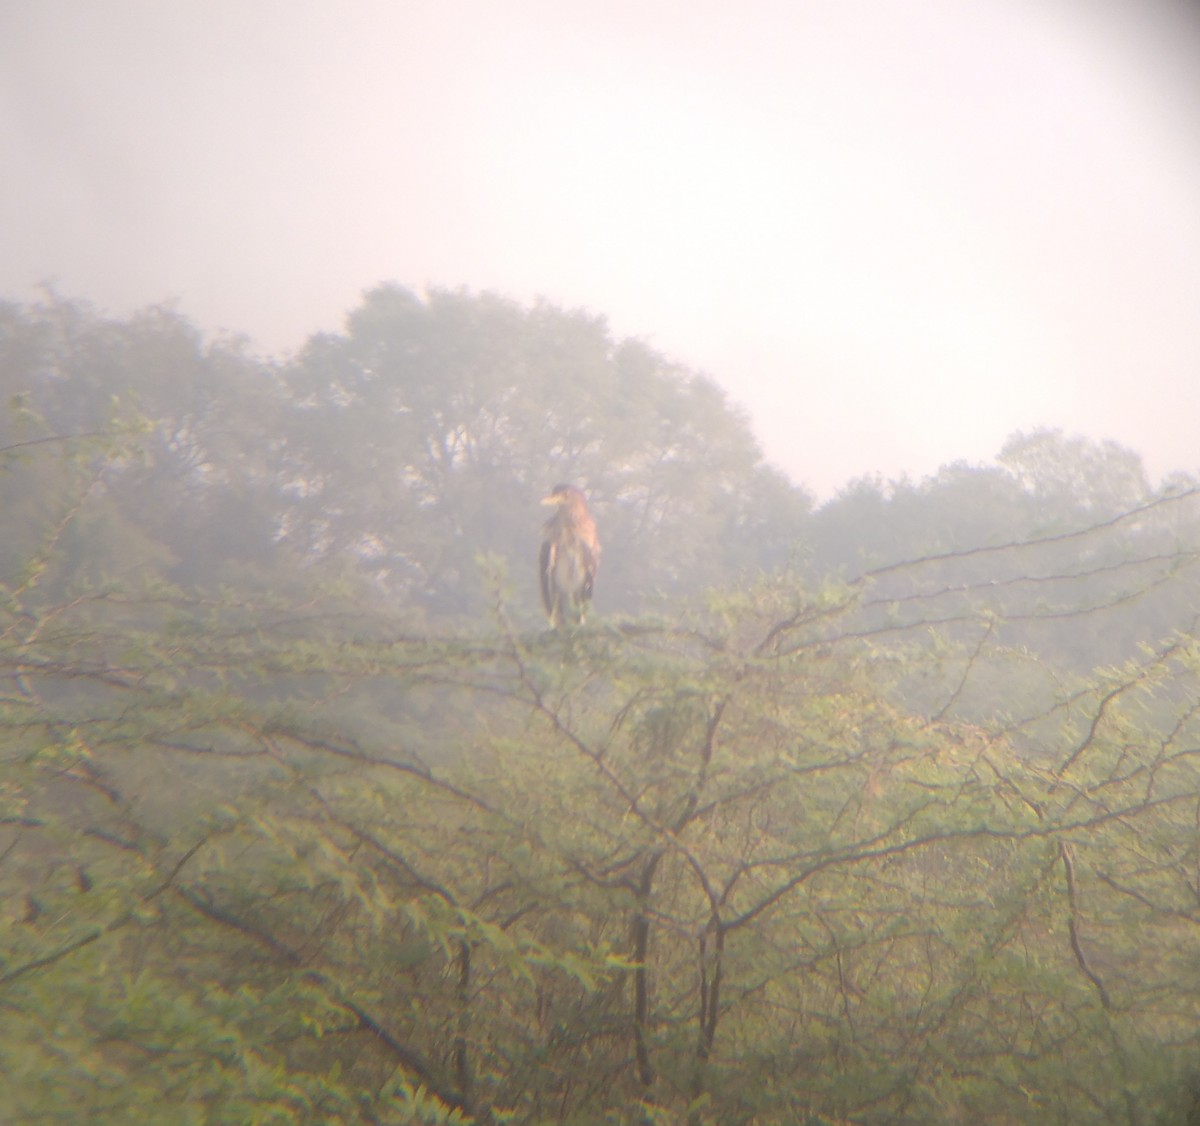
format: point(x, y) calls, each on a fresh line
point(551, 499)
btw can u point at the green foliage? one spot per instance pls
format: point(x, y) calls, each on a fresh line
point(914, 845)
point(706, 872)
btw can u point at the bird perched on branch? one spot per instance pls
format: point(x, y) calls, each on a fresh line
point(570, 556)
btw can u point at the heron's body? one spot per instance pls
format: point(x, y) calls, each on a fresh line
point(570, 557)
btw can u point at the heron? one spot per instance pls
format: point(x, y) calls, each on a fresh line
point(570, 556)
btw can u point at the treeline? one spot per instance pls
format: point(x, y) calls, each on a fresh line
point(403, 449)
point(879, 812)
point(406, 447)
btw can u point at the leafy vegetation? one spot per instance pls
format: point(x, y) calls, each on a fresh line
point(883, 812)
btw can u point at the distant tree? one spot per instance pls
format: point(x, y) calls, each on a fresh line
point(400, 451)
point(426, 433)
point(1075, 479)
point(199, 494)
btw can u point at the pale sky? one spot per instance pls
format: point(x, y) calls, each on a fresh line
point(895, 231)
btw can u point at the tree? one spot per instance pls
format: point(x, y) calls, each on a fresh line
point(198, 497)
point(1074, 478)
point(429, 430)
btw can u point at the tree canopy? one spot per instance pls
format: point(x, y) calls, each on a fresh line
point(879, 812)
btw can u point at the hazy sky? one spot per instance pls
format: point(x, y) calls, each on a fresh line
point(894, 230)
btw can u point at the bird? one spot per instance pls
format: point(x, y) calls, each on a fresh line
point(570, 556)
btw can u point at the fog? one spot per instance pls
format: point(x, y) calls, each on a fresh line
point(895, 234)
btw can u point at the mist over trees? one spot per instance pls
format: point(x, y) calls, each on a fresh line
point(884, 810)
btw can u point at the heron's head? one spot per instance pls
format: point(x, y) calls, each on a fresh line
point(563, 494)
